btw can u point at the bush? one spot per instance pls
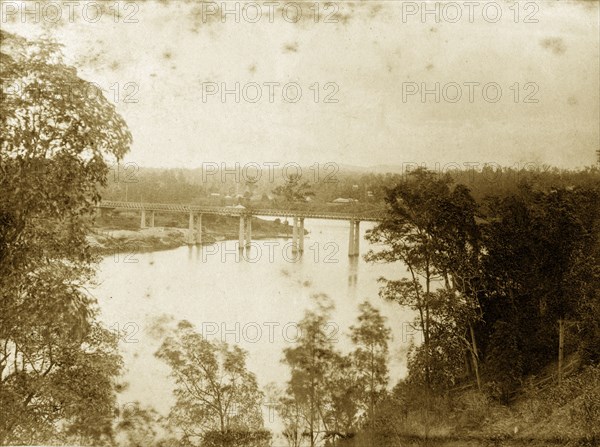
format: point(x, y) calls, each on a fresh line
point(567, 411)
point(237, 438)
point(472, 407)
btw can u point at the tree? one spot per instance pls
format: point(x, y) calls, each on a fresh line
point(540, 265)
point(342, 401)
point(369, 358)
point(328, 392)
point(138, 426)
point(58, 366)
point(311, 362)
point(430, 228)
point(288, 410)
point(503, 361)
point(448, 343)
point(214, 390)
point(249, 190)
point(293, 190)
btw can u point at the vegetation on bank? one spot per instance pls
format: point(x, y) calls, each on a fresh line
point(59, 367)
point(490, 280)
point(565, 414)
point(120, 232)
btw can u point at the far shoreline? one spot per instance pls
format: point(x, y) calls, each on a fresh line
point(116, 236)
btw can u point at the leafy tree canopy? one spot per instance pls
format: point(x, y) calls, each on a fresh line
point(57, 364)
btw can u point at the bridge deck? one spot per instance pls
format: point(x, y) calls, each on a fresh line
point(232, 211)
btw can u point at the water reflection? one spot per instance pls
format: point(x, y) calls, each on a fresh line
point(352, 275)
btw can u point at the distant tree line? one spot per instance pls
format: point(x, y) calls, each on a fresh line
point(131, 182)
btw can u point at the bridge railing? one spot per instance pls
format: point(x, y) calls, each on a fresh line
point(233, 211)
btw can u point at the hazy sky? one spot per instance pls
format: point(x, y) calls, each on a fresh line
point(376, 54)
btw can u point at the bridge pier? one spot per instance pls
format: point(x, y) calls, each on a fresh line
point(199, 229)
point(351, 240)
point(248, 231)
point(194, 234)
point(191, 236)
point(357, 238)
point(99, 212)
point(295, 235)
point(354, 238)
point(241, 235)
point(301, 235)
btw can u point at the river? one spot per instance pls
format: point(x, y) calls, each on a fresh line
point(255, 302)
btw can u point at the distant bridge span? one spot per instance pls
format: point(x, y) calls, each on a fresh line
point(233, 211)
point(245, 214)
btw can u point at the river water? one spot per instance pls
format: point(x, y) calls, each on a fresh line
point(255, 302)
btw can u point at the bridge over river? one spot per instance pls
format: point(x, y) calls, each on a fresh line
point(245, 215)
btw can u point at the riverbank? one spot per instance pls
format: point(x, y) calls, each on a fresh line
point(542, 413)
point(118, 234)
point(477, 441)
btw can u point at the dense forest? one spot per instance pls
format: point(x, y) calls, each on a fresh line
point(493, 279)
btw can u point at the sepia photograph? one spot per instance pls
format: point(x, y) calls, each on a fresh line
point(300, 223)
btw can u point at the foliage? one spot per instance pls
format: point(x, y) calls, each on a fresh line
point(237, 438)
point(505, 270)
point(491, 279)
point(312, 361)
point(293, 190)
point(447, 346)
point(137, 426)
point(60, 386)
point(185, 185)
point(567, 411)
point(329, 393)
point(291, 415)
point(503, 362)
point(214, 390)
point(369, 358)
point(541, 265)
point(430, 228)
point(57, 365)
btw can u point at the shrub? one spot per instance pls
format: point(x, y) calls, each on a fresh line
point(237, 438)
